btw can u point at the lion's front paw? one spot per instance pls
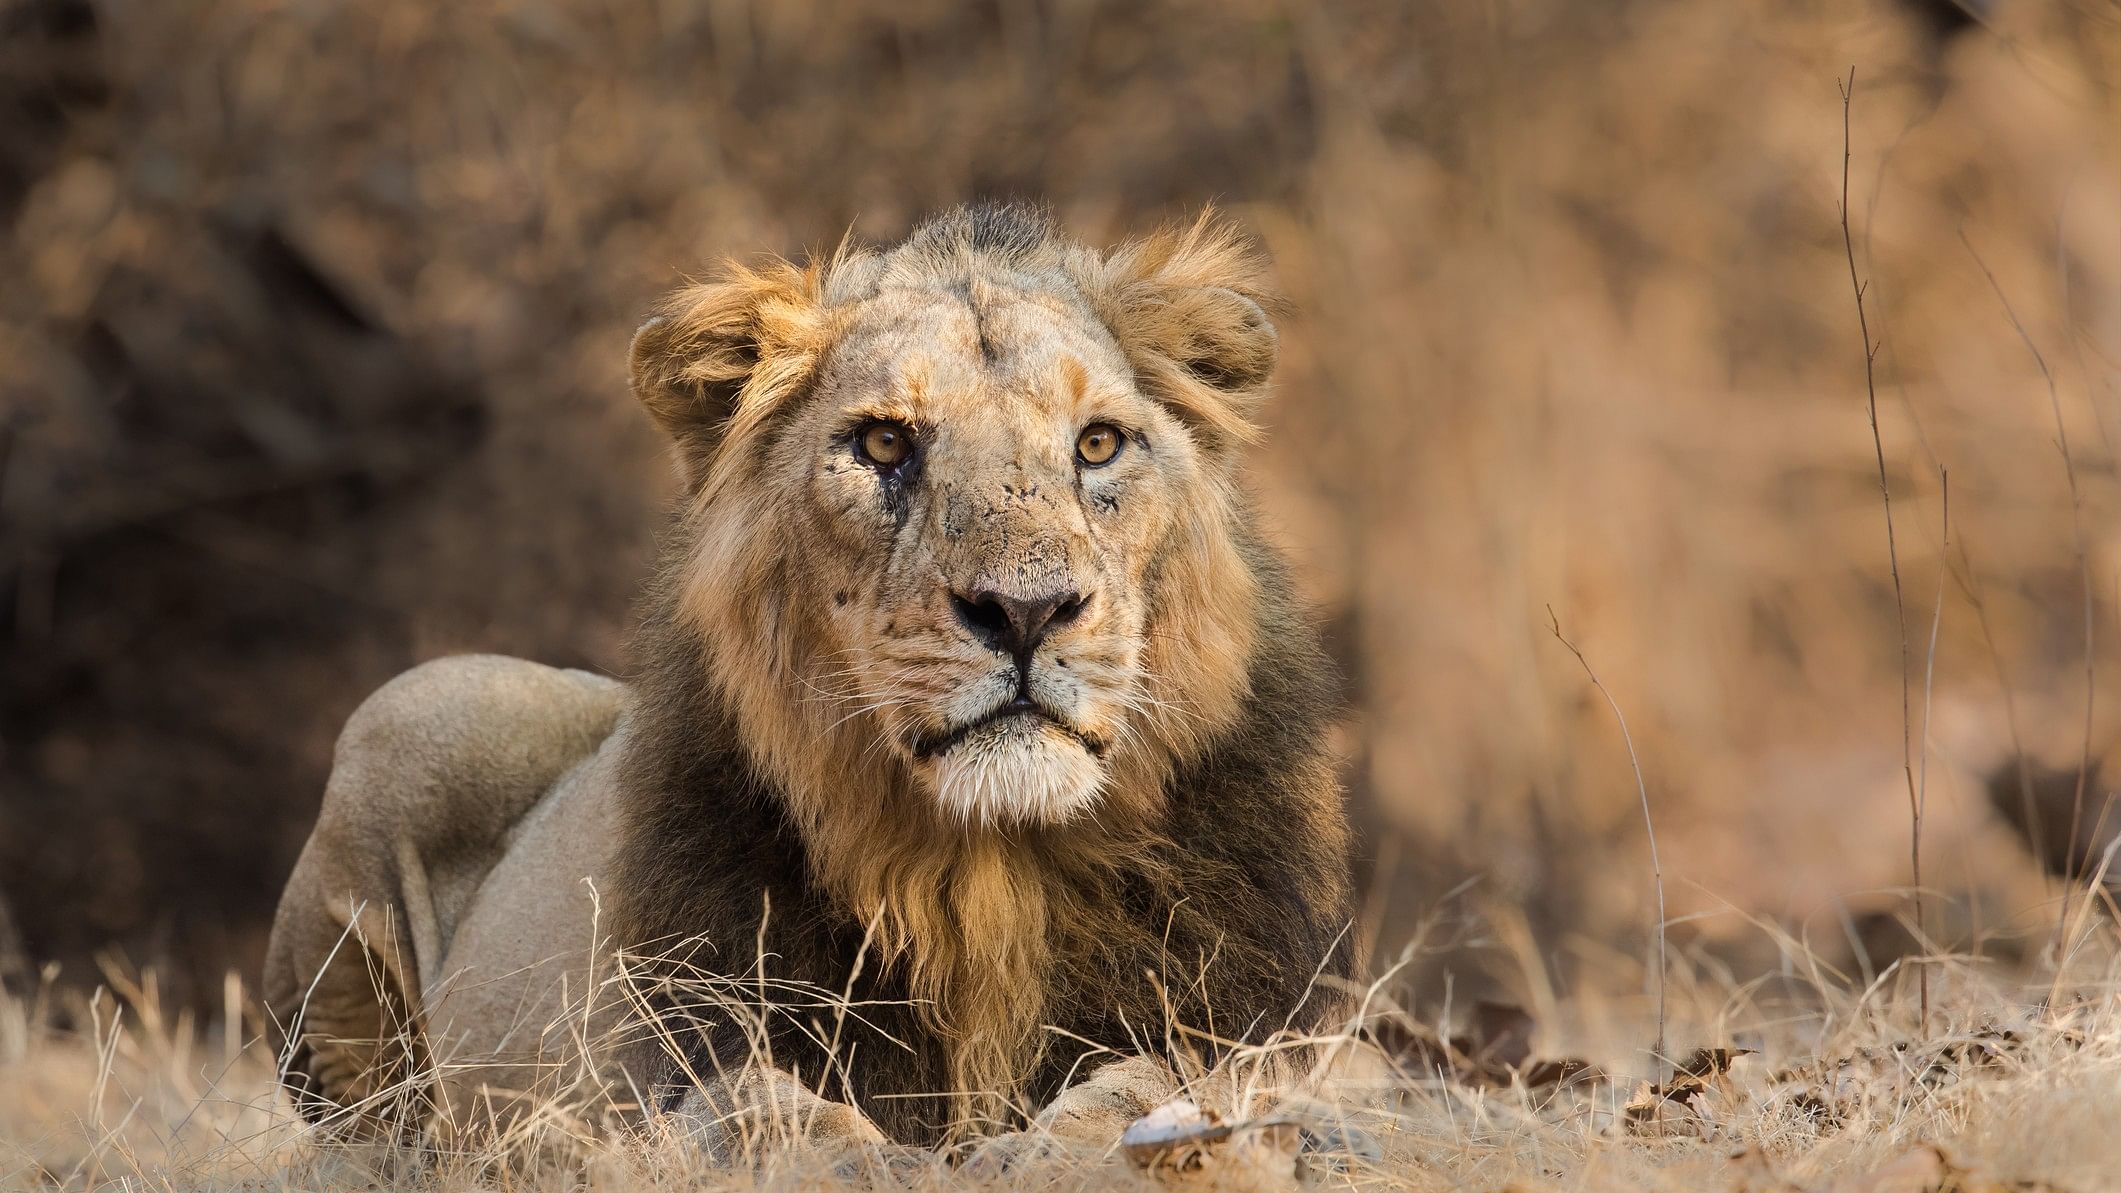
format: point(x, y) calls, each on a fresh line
point(885, 1163)
point(743, 1121)
point(1015, 1151)
point(1097, 1110)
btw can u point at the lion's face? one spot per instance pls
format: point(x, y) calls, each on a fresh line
point(958, 527)
point(988, 489)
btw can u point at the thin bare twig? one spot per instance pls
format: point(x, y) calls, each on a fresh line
point(2084, 572)
point(1642, 789)
point(1970, 584)
point(1892, 546)
point(1965, 574)
point(1929, 688)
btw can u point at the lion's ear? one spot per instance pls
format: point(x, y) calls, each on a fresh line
point(718, 356)
point(1190, 306)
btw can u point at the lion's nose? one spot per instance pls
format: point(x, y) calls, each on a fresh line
point(1015, 625)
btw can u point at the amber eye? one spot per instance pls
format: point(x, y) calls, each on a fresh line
point(1098, 444)
point(886, 445)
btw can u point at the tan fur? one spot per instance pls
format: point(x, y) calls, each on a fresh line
point(1169, 332)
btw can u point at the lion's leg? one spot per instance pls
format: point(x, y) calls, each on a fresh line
point(353, 1051)
point(747, 1117)
point(1096, 1111)
point(1088, 1116)
point(430, 777)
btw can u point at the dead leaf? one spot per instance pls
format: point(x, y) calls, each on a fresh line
point(1494, 1050)
point(1655, 1110)
point(1709, 1062)
point(1679, 1105)
point(1691, 1076)
point(1565, 1072)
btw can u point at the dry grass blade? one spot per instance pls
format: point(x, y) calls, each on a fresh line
point(1929, 704)
point(1892, 546)
point(1649, 825)
point(2084, 573)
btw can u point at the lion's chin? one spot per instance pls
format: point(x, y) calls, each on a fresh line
point(1017, 771)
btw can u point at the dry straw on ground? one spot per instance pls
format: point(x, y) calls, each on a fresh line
point(1803, 1083)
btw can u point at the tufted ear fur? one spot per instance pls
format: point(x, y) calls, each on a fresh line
point(1189, 306)
point(718, 356)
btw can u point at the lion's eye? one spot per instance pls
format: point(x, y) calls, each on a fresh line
point(886, 445)
point(1098, 444)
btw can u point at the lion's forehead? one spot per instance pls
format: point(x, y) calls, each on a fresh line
point(957, 343)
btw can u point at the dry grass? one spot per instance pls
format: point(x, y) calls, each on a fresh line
point(1835, 1089)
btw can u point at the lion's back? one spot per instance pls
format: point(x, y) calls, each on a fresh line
point(459, 748)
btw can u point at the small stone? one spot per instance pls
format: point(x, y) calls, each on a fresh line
point(1171, 1131)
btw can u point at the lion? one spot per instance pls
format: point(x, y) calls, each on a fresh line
point(976, 756)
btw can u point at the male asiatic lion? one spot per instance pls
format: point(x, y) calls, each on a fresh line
point(977, 748)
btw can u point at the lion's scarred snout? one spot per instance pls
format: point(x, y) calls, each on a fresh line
point(1016, 625)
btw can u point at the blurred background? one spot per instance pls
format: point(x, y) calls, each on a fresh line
point(312, 332)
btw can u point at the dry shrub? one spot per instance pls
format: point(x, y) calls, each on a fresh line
point(1604, 359)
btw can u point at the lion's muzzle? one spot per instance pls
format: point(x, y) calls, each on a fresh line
point(1015, 625)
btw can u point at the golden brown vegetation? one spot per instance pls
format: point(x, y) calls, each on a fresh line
point(1819, 1085)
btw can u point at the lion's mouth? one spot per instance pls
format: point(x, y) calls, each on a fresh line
point(937, 744)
